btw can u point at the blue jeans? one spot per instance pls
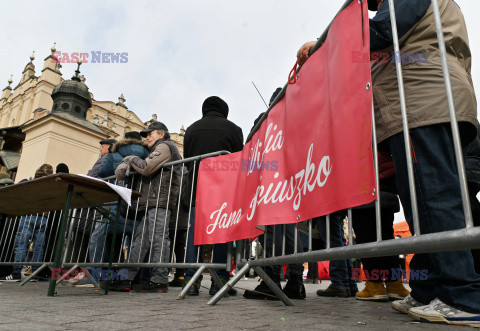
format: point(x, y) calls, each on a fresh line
point(30, 228)
point(340, 270)
point(219, 252)
point(97, 251)
point(451, 275)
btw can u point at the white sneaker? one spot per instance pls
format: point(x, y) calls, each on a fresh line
point(10, 278)
point(439, 312)
point(76, 280)
point(404, 305)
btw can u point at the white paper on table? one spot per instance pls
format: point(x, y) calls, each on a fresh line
point(124, 192)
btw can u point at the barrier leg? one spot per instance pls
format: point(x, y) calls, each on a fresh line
point(90, 278)
point(65, 275)
point(190, 283)
point(271, 284)
point(112, 246)
point(215, 277)
point(34, 274)
point(60, 239)
point(224, 290)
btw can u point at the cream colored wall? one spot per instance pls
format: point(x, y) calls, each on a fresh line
point(178, 140)
point(53, 140)
point(35, 92)
point(122, 117)
point(25, 99)
point(59, 144)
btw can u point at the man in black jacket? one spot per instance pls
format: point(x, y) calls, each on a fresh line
point(212, 133)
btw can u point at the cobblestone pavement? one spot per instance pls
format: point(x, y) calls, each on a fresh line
point(28, 307)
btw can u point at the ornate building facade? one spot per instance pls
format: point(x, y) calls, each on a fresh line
point(36, 97)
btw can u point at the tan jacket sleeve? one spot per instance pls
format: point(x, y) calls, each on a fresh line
point(153, 162)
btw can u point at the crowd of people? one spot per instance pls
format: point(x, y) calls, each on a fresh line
point(450, 292)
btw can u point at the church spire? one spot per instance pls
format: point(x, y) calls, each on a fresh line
point(7, 90)
point(76, 77)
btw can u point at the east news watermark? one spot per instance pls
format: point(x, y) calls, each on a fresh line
point(242, 165)
point(90, 57)
point(392, 274)
point(389, 57)
point(97, 274)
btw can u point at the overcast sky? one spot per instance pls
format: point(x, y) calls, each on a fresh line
point(179, 52)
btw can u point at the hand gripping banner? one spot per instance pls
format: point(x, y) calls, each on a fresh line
point(311, 156)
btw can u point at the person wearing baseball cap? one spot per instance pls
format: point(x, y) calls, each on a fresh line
point(159, 197)
point(155, 126)
point(105, 148)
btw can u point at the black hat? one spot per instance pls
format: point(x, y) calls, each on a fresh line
point(372, 5)
point(108, 142)
point(215, 104)
point(133, 135)
point(61, 167)
point(154, 126)
point(274, 95)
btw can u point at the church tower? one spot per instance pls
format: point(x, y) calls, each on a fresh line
point(72, 97)
point(64, 135)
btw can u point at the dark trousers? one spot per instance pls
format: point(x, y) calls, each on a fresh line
point(451, 275)
point(475, 205)
point(340, 270)
point(179, 249)
point(195, 253)
point(274, 235)
point(365, 230)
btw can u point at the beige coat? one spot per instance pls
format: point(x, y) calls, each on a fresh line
point(424, 85)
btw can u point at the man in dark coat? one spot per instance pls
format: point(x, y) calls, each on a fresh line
point(105, 146)
point(131, 144)
point(212, 133)
point(85, 225)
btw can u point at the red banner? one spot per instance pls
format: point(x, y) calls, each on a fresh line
point(311, 156)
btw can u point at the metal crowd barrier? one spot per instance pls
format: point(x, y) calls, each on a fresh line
point(78, 252)
point(466, 238)
point(93, 242)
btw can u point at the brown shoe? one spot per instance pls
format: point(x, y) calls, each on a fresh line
point(373, 291)
point(396, 290)
point(334, 292)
